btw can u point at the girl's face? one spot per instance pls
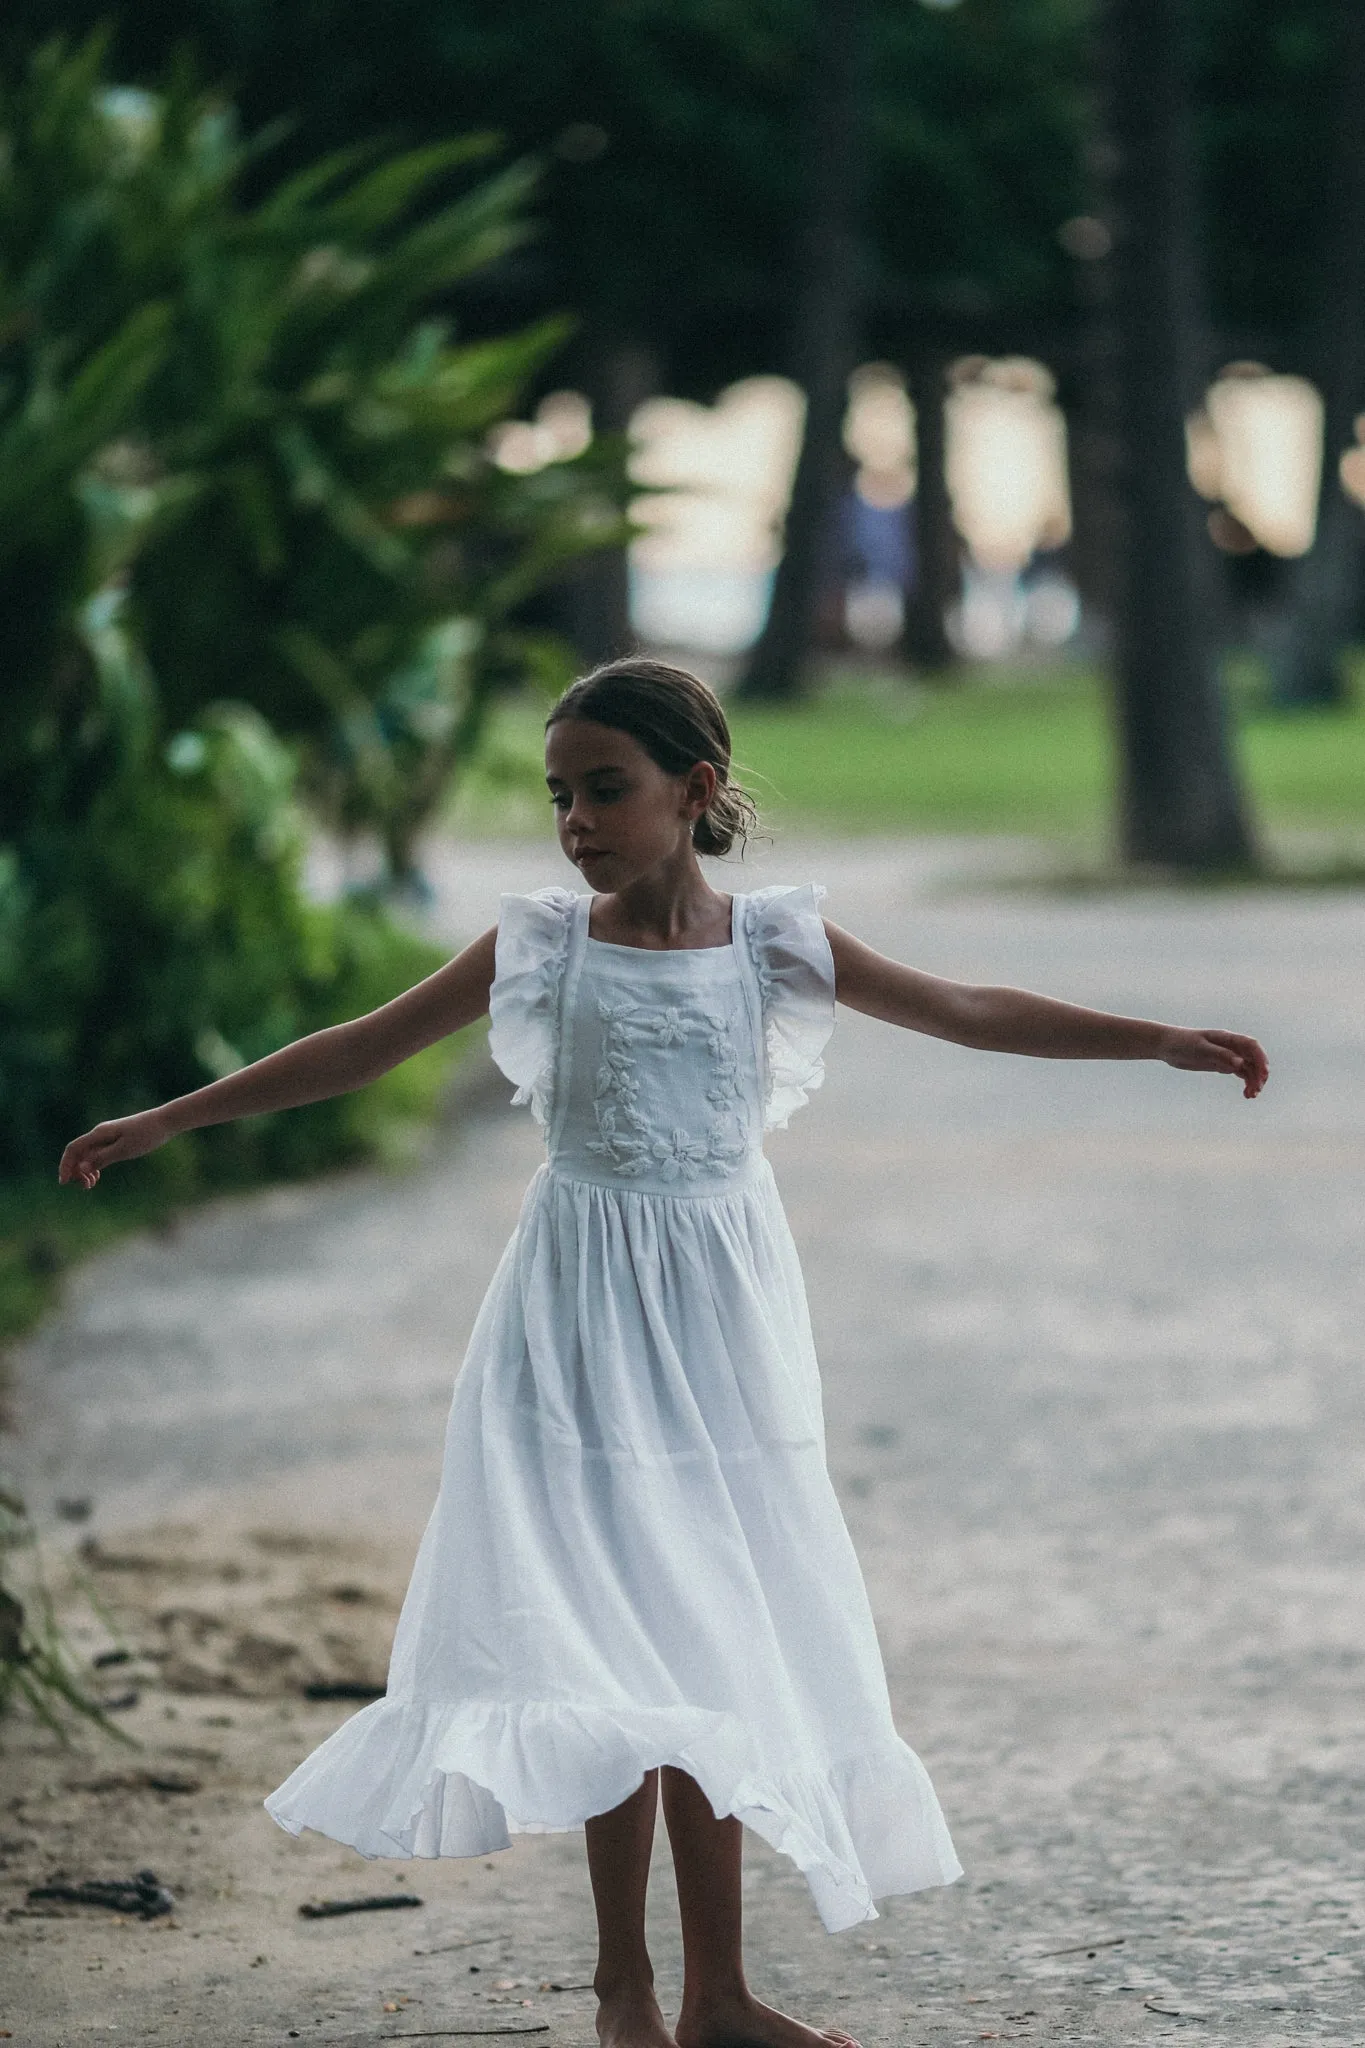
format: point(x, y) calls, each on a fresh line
point(616, 811)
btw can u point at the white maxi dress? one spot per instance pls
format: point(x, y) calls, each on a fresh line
point(636, 1556)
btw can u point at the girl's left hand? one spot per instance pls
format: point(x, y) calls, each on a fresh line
point(122, 1137)
point(1219, 1052)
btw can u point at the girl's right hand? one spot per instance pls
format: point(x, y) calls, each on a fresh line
point(1218, 1052)
point(123, 1137)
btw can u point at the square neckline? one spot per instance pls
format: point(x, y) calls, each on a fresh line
point(670, 952)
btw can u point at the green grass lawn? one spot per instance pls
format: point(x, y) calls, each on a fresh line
point(993, 754)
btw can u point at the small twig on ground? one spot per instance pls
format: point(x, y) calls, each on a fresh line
point(1086, 1948)
point(149, 1780)
point(343, 1689)
point(144, 1894)
point(378, 1902)
point(444, 1948)
point(456, 2033)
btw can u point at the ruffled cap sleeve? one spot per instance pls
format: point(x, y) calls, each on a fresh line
point(795, 971)
point(529, 960)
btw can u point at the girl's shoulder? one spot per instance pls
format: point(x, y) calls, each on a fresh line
point(529, 958)
point(544, 908)
point(783, 902)
point(795, 970)
point(782, 923)
point(533, 931)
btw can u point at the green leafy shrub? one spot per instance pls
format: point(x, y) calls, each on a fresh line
point(161, 938)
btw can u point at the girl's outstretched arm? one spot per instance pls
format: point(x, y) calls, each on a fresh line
point(1012, 1020)
point(330, 1062)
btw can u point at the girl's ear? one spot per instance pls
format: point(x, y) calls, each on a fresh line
point(700, 786)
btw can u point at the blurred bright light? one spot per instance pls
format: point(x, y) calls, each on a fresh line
point(717, 481)
point(707, 610)
point(1351, 468)
point(717, 477)
point(988, 619)
point(1257, 449)
point(1052, 611)
point(1006, 460)
point(561, 429)
point(566, 417)
point(874, 615)
point(879, 433)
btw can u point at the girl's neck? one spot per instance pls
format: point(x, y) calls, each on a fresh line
point(664, 911)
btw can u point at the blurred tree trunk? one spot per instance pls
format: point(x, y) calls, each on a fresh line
point(1181, 805)
point(1089, 397)
point(824, 343)
point(1327, 585)
point(616, 376)
point(938, 571)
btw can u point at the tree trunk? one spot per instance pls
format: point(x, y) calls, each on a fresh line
point(1327, 584)
point(616, 377)
point(1181, 805)
point(938, 569)
point(1090, 402)
point(824, 346)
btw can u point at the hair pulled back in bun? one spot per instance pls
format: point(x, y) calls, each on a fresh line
point(678, 721)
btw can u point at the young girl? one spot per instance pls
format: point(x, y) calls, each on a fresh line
point(636, 1577)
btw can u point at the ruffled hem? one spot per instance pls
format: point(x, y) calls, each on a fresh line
point(795, 971)
point(531, 952)
point(409, 1778)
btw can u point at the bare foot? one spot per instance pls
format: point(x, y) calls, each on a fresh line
point(632, 2019)
point(743, 2021)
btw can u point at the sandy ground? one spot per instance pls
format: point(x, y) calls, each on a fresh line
point(1091, 1345)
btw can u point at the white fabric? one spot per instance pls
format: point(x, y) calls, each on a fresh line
point(637, 1557)
point(787, 943)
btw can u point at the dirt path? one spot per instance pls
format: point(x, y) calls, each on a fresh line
point(1091, 1346)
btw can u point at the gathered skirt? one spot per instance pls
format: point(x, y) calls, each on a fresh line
point(637, 1558)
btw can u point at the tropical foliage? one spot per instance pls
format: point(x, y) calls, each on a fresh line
point(250, 536)
point(267, 443)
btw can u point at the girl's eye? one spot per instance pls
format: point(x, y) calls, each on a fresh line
point(560, 799)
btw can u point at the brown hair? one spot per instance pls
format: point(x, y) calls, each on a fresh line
point(678, 721)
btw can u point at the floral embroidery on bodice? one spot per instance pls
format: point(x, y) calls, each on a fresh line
point(642, 1134)
point(659, 1081)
